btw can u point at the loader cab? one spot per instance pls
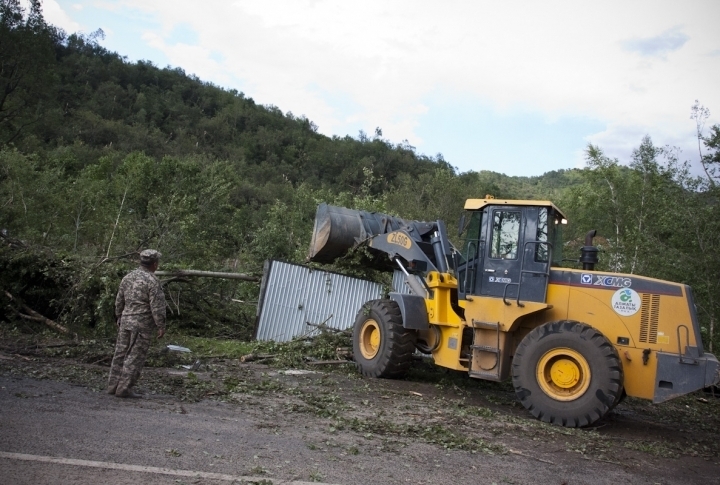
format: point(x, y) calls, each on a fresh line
point(509, 247)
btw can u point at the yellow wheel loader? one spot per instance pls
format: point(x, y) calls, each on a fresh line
point(574, 341)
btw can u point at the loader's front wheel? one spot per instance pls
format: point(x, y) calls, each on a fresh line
point(567, 373)
point(382, 347)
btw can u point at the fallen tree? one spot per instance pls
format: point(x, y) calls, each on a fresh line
point(31, 314)
point(208, 274)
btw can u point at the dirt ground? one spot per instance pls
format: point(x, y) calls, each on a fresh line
point(251, 423)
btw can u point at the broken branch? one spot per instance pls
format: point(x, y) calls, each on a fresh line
point(208, 274)
point(243, 301)
point(326, 362)
point(515, 452)
point(107, 357)
point(256, 357)
point(35, 316)
point(323, 327)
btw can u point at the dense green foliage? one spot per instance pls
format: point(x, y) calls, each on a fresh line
point(100, 157)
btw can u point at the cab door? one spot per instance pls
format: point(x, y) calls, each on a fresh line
point(517, 253)
point(469, 265)
point(500, 275)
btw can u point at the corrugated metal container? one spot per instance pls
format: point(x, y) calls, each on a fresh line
point(291, 296)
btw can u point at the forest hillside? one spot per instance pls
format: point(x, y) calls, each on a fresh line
point(101, 157)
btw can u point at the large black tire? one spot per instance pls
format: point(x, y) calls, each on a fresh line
point(567, 373)
point(620, 399)
point(381, 346)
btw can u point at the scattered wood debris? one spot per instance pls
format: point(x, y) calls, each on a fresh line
point(257, 357)
point(31, 314)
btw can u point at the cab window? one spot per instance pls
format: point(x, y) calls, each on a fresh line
point(505, 234)
point(549, 230)
point(541, 250)
point(472, 237)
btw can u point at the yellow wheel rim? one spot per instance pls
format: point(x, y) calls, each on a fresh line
point(369, 339)
point(563, 374)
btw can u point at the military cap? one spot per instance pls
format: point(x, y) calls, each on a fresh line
point(149, 256)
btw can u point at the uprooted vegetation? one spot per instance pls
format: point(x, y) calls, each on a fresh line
point(432, 405)
point(79, 294)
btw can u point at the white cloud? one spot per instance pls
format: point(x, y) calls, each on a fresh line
point(385, 58)
point(659, 45)
point(195, 58)
point(54, 14)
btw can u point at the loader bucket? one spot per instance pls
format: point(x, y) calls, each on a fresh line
point(338, 229)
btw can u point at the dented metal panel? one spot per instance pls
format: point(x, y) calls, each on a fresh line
point(291, 296)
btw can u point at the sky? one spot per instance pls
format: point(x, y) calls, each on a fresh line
point(517, 87)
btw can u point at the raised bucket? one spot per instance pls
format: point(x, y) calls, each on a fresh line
point(338, 229)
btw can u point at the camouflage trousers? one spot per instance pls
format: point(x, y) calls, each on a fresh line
point(131, 349)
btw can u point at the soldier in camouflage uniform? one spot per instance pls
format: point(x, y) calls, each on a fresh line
point(139, 309)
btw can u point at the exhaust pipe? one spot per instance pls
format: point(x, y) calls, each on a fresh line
point(589, 253)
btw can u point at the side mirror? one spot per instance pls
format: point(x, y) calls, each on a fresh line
point(461, 225)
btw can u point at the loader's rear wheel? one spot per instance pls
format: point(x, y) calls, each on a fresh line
point(381, 346)
point(567, 373)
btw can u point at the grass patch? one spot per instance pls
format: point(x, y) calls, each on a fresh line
point(295, 353)
point(203, 347)
point(462, 409)
point(652, 447)
point(255, 387)
point(435, 434)
point(425, 370)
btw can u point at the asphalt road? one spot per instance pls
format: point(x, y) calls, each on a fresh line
point(55, 432)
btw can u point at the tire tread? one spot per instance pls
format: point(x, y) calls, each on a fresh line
point(612, 389)
point(397, 346)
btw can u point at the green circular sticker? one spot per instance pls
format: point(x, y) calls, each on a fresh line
point(626, 302)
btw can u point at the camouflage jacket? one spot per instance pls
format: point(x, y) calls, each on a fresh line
point(140, 298)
